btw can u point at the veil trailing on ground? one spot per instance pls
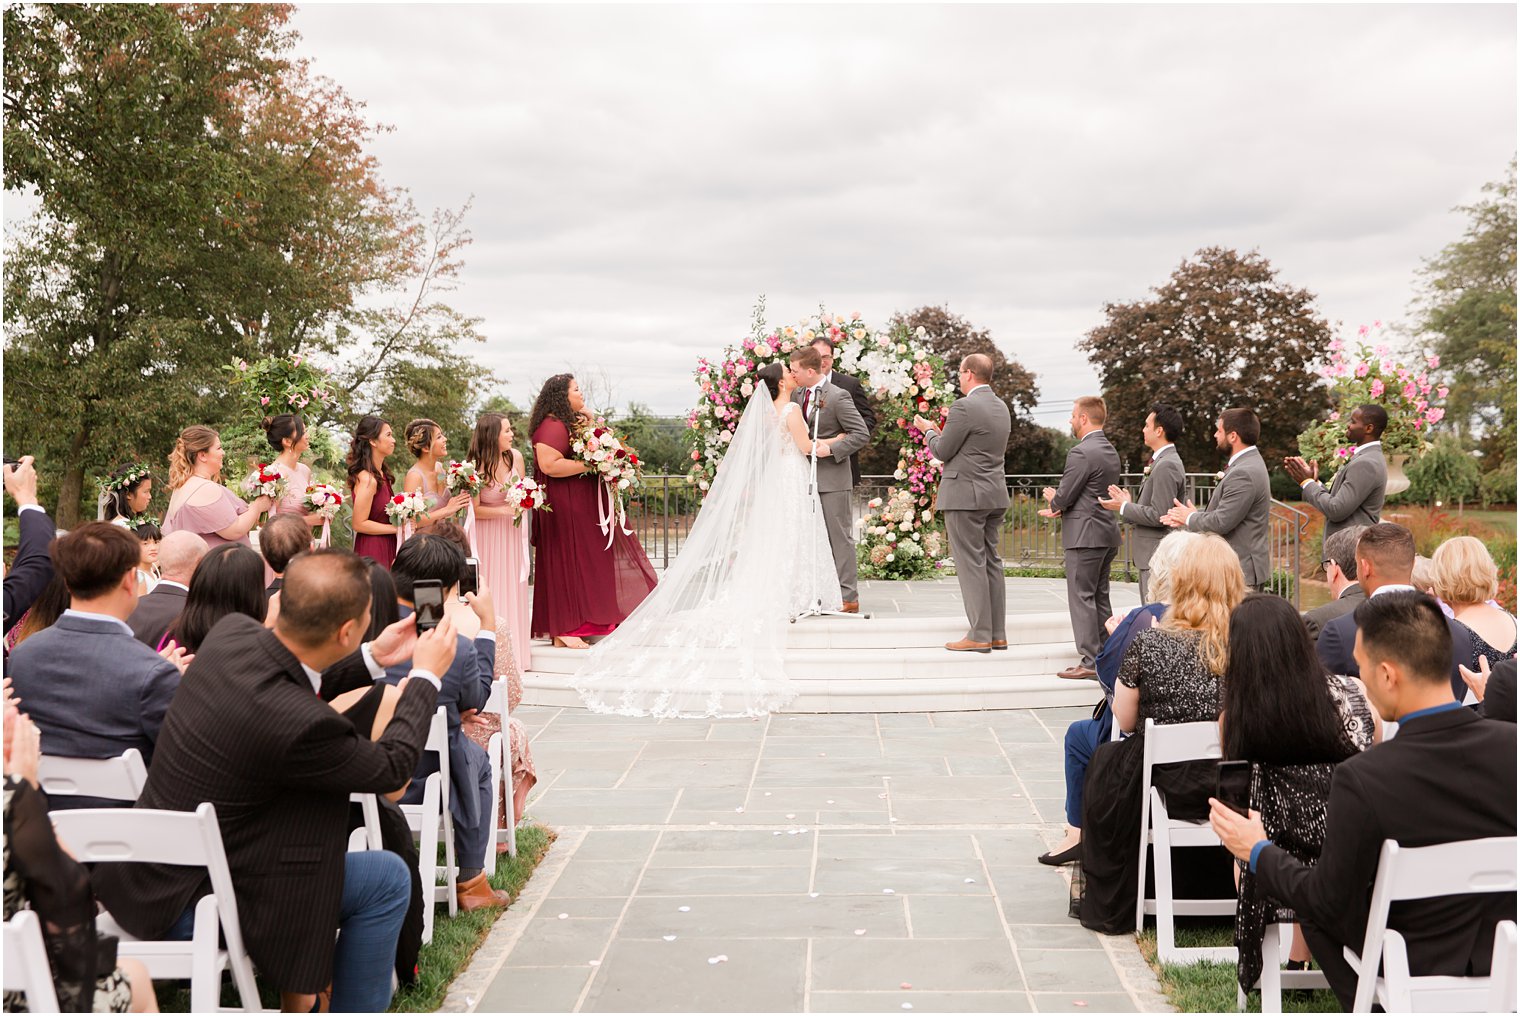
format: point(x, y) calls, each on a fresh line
point(709, 641)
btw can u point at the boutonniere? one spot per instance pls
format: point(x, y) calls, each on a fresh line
point(1219, 475)
point(1147, 470)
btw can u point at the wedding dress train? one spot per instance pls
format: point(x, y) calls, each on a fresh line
point(710, 640)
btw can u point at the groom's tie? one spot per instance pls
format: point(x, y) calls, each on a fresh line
point(806, 398)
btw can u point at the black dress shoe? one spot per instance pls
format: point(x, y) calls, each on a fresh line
point(1070, 855)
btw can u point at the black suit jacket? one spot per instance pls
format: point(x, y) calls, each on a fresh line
point(155, 613)
point(863, 404)
point(1499, 696)
point(247, 733)
point(1445, 777)
point(1337, 640)
point(33, 568)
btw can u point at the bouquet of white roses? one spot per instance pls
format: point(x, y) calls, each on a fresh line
point(526, 495)
point(269, 480)
point(325, 500)
point(462, 477)
point(617, 465)
point(401, 509)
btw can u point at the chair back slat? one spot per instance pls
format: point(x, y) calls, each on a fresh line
point(1451, 869)
point(26, 963)
point(117, 779)
point(102, 835)
point(1166, 743)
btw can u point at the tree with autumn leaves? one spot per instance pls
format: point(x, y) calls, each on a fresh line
point(1223, 331)
point(199, 196)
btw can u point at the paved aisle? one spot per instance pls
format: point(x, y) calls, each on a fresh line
point(800, 863)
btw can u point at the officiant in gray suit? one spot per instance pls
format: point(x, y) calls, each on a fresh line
point(1089, 535)
point(1355, 494)
point(1165, 481)
point(974, 498)
point(830, 413)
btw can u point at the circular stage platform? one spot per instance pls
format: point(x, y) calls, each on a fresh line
point(891, 664)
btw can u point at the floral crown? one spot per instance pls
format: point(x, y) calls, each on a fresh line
point(111, 484)
point(141, 519)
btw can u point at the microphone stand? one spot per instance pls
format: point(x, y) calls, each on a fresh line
point(815, 604)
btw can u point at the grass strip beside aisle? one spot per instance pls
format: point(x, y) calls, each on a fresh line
point(1211, 987)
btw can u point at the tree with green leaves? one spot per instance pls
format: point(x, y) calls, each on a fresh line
point(1467, 314)
point(1224, 331)
point(199, 197)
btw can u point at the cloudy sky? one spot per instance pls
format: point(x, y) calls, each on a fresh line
point(641, 174)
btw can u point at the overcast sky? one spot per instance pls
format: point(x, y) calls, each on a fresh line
point(640, 174)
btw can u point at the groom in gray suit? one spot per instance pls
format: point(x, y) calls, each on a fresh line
point(1089, 535)
point(830, 413)
point(974, 497)
point(1355, 496)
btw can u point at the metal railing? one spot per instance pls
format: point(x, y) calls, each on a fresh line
point(663, 510)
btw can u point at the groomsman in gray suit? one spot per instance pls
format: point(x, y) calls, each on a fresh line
point(1240, 508)
point(1165, 480)
point(974, 498)
point(1355, 497)
point(830, 413)
point(1089, 535)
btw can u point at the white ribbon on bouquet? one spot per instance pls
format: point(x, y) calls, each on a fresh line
point(610, 510)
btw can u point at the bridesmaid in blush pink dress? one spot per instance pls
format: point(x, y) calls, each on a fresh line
point(426, 440)
point(199, 503)
point(500, 545)
point(287, 436)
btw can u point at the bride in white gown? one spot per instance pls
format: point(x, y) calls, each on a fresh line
point(711, 639)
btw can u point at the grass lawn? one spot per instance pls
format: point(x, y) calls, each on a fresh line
point(455, 940)
point(1211, 987)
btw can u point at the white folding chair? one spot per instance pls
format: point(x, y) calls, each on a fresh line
point(431, 820)
point(1276, 941)
point(1502, 972)
point(1165, 744)
point(501, 780)
point(26, 963)
point(1417, 873)
point(115, 779)
point(192, 839)
point(367, 836)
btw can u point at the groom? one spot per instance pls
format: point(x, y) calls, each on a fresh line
point(829, 412)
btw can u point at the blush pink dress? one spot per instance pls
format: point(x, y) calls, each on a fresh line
point(502, 549)
point(294, 501)
point(205, 520)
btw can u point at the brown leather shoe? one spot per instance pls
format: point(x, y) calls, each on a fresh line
point(477, 893)
point(1078, 673)
point(851, 607)
point(968, 646)
point(999, 643)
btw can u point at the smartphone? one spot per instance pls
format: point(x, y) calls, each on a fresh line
point(469, 582)
point(427, 596)
point(1234, 786)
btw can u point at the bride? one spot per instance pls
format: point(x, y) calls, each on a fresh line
point(710, 640)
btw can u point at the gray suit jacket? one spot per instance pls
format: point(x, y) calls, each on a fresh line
point(1092, 466)
point(971, 446)
point(1240, 510)
point(1316, 619)
point(1355, 497)
point(92, 689)
point(1164, 484)
point(835, 413)
point(156, 612)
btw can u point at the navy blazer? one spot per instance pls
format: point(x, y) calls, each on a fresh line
point(466, 685)
point(33, 567)
point(1337, 639)
point(92, 689)
point(1112, 654)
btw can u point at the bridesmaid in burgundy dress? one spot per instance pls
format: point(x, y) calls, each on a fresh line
point(370, 485)
point(286, 434)
point(582, 587)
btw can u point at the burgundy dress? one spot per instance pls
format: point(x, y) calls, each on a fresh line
point(380, 546)
point(581, 587)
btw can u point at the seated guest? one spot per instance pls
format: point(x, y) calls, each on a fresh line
point(178, 555)
point(247, 733)
point(1340, 572)
point(282, 538)
point(1422, 577)
point(40, 872)
point(1084, 736)
point(1464, 577)
point(1169, 674)
point(229, 580)
point(92, 689)
point(47, 609)
point(1294, 722)
point(1384, 564)
point(31, 569)
point(1494, 688)
point(466, 686)
point(1448, 776)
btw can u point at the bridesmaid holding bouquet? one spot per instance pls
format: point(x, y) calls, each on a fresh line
point(286, 434)
point(501, 539)
point(371, 483)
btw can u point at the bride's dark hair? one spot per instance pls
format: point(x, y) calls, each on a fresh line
point(771, 375)
point(554, 400)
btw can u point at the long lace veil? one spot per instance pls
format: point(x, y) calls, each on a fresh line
point(710, 639)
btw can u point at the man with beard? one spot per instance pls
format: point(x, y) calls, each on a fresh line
point(1241, 505)
point(1355, 494)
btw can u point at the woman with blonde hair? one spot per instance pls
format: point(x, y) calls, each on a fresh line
point(1465, 579)
point(198, 502)
point(1170, 674)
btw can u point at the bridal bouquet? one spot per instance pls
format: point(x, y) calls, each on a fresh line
point(269, 480)
point(616, 465)
point(325, 500)
point(526, 495)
